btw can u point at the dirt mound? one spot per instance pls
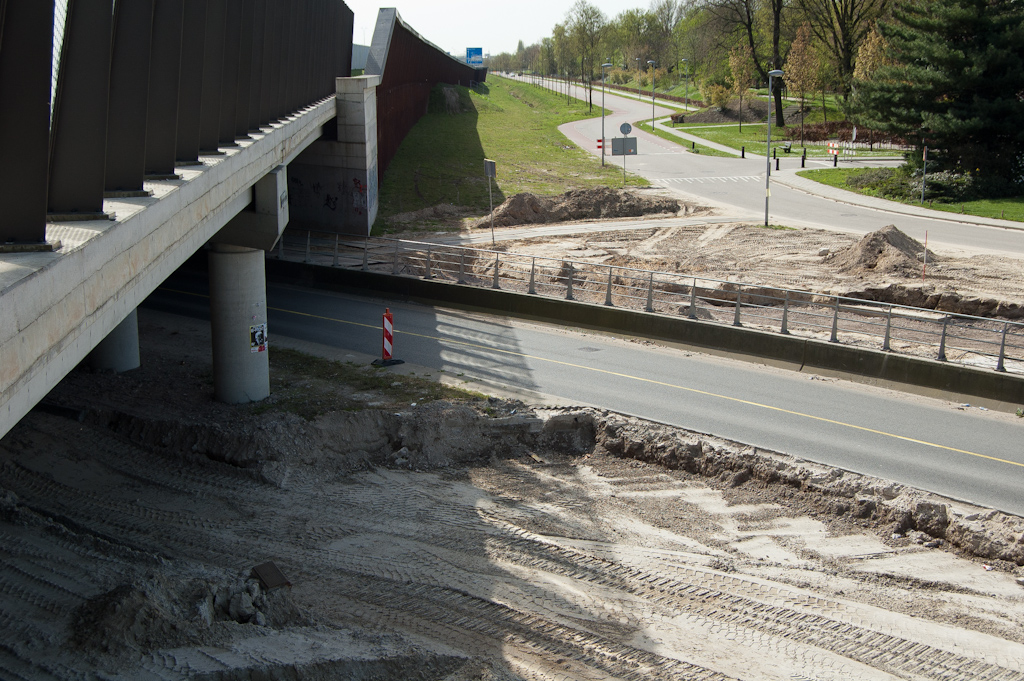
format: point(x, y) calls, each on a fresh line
point(578, 204)
point(887, 250)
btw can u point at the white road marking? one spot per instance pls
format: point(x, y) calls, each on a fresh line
point(665, 181)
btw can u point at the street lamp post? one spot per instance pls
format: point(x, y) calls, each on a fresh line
point(603, 67)
point(638, 95)
point(768, 151)
point(651, 62)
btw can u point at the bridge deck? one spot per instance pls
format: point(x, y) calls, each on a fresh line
point(57, 306)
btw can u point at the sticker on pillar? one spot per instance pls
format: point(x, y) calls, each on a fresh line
point(258, 338)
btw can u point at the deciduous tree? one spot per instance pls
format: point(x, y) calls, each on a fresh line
point(840, 26)
point(871, 55)
point(752, 20)
point(802, 69)
point(585, 25)
point(741, 64)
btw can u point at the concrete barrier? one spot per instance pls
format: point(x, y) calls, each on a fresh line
point(996, 390)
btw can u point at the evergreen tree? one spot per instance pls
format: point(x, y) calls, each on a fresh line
point(955, 85)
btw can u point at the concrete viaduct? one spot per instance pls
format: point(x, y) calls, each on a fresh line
point(133, 134)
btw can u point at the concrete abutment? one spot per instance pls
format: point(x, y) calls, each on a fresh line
point(333, 185)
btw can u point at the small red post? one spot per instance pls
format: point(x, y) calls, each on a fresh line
point(924, 269)
point(389, 333)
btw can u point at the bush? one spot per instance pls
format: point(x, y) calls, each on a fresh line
point(620, 76)
point(718, 95)
point(904, 183)
point(889, 183)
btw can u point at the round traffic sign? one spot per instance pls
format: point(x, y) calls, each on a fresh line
point(625, 128)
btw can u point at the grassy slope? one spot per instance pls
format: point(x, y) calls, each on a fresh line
point(515, 124)
point(1009, 209)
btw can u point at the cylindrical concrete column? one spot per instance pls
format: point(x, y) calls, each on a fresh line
point(238, 322)
point(119, 351)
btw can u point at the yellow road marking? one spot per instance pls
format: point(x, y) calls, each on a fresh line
point(650, 381)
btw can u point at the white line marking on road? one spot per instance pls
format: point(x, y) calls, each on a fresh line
point(702, 180)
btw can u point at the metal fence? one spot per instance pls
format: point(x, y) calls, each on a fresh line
point(975, 341)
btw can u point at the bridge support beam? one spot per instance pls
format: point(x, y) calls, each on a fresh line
point(238, 322)
point(119, 351)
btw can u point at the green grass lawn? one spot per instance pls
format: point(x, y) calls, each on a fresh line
point(754, 135)
point(694, 148)
point(1008, 209)
point(516, 125)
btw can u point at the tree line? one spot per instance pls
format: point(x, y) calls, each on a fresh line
point(948, 74)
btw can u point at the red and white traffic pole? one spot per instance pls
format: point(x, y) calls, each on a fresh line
point(388, 344)
point(389, 334)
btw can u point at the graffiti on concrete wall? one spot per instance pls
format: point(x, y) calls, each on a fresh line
point(359, 196)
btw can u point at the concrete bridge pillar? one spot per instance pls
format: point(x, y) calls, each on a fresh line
point(119, 351)
point(238, 322)
point(238, 292)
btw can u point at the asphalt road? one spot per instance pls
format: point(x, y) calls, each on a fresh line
point(737, 185)
point(966, 454)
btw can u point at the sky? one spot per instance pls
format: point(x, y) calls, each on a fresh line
point(454, 25)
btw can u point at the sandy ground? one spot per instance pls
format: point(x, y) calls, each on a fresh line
point(476, 539)
point(886, 265)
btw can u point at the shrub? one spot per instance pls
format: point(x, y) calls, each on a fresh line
point(620, 76)
point(718, 95)
point(889, 183)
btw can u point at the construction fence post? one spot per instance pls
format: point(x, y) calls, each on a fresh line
point(785, 315)
point(888, 330)
point(1002, 349)
point(835, 324)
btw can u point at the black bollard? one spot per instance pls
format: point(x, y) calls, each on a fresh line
point(776, 164)
point(835, 160)
point(743, 152)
